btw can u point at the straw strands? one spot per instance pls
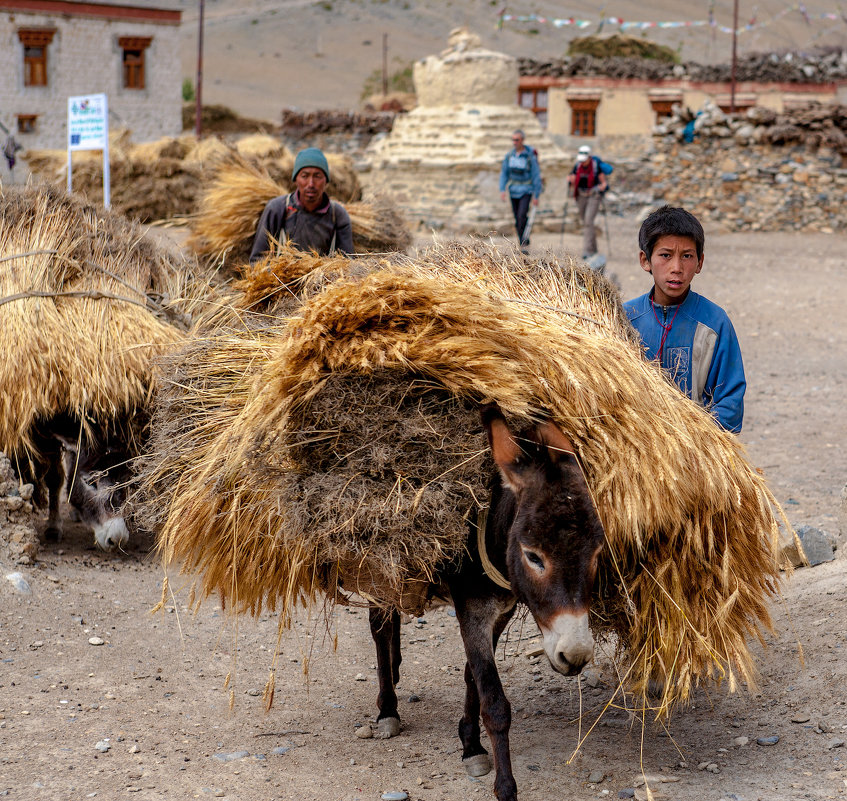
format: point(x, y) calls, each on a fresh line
point(232, 202)
point(294, 477)
point(87, 302)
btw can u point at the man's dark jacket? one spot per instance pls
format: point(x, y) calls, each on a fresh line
point(306, 230)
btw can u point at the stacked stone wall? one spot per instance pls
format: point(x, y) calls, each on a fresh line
point(753, 187)
point(18, 538)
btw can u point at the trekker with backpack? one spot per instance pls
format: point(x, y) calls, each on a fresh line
point(588, 183)
point(521, 175)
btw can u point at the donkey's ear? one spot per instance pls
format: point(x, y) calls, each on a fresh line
point(558, 445)
point(504, 447)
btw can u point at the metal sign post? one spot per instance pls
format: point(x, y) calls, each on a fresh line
point(88, 129)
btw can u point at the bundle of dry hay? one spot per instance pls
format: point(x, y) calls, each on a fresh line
point(233, 200)
point(149, 181)
point(340, 447)
point(87, 302)
point(163, 179)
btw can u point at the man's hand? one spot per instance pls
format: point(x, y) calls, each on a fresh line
point(502, 196)
point(535, 201)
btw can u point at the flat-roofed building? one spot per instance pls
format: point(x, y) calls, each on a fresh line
point(54, 49)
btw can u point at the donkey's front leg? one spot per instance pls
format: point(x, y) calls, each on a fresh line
point(385, 630)
point(479, 620)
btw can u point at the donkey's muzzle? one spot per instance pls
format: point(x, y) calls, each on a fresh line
point(568, 642)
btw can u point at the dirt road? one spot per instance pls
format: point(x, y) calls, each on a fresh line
point(144, 714)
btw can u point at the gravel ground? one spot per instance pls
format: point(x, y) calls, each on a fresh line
point(101, 699)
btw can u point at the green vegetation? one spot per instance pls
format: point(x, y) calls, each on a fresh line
point(619, 44)
point(398, 81)
point(187, 90)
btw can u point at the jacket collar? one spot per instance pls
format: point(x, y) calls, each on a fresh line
point(323, 208)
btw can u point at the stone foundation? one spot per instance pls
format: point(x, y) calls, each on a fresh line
point(18, 538)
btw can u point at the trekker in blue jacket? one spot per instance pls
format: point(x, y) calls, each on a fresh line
point(692, 338)
point(520, 173)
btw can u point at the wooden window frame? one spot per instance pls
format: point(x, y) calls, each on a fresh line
point(538, 109)
point(35, 42)
point(583, 116)
point(133, 61)
point(663, 109)
point(27, 123)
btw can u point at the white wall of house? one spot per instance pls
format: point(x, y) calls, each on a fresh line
point(83, 58)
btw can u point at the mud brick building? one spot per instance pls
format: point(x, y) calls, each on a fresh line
point(53, 49)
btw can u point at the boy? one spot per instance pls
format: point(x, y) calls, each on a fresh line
point(690, 336)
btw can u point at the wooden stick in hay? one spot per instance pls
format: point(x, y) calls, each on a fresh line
point(231, 204)
point(73, 343)
point(691, 526)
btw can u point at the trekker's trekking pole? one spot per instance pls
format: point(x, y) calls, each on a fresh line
point(606, 220)
point(564, 222)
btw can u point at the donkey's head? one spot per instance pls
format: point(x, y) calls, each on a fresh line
point(96, 478)
point(554, 535)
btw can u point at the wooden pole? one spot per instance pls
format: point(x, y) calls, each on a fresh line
point(384, 64)
point(198, 94)
point(734, 57)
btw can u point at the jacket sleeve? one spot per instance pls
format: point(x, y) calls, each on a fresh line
point(504, 173)
point(726, 384)
point(535, 176)
point(343, 231)
point(270, 223)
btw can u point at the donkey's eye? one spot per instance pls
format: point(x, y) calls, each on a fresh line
point(534, 559)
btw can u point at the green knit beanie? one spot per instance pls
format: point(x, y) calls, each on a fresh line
point(310, 157)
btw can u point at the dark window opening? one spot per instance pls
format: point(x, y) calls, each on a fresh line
point(26, 123)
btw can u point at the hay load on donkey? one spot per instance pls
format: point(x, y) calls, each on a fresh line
point(339, 449)
point(87, 302)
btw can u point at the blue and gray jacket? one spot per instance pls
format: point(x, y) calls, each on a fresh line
point(701, 352)
point(520, 173)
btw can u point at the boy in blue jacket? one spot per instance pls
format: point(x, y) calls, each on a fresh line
point(692, 338)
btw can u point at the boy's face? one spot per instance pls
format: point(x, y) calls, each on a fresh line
point(674, 264)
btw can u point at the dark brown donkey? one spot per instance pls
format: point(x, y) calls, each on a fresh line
point(541, 544)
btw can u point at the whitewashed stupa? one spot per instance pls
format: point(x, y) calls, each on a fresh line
point(441, 161)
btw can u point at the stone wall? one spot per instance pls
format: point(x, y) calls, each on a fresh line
point(18, 538)
point(758, 171)
point(753, 187)
point(84, 58)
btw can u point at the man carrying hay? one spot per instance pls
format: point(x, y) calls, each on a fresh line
point(306, 217)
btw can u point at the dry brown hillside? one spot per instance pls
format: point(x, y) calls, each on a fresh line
point(263, 55)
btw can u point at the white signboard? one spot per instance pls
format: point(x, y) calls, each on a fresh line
point(88, 129)
point(88, 122)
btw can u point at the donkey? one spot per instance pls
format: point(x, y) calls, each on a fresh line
point(91, 471)
point(540, 547)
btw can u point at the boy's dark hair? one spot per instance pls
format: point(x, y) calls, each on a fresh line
point(670, 221)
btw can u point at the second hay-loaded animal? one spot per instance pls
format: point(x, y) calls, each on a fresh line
point(87, 301)
point(258, 501)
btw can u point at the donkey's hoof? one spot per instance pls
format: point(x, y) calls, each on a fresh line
point(52, 534)
point(386, 728)
point(477, 765)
